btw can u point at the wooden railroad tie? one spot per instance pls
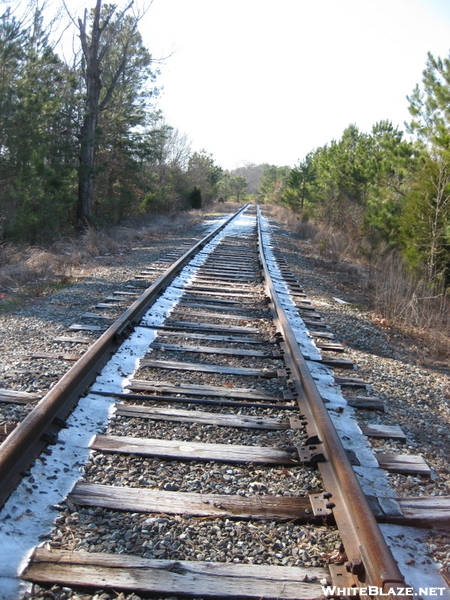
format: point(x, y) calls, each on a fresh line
point(198, 578)
point(224, 283)
point(213, 327)
point(224, 506)
point(366, 403)
point(216, 300)
point(62, 339)
point(179, 450)
point(210, 368)
point(425, 512)
point(55, 356)
point(211, 292)
point(106, 306)
point(189, 311)
point(231, 351)
point(17, 397)
point(378, 431)
point(212, 337)
point(177, 399)
point(201, 417)
point(83, 327)
point(187, 389)
point(407, 464)
point(337, 363)
point(89, 315)
point(218, 305)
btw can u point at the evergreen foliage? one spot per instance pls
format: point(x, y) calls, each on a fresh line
point(81, 143)
point(203, 173)
point(380, 189)
point(238, 187)
point(272, 183)
point(36, 157)
point(195, 198)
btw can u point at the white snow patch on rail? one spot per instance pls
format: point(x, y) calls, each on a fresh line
point(373, 480)
point(29, 512)
point(407, 544)
point(306, 344)
point(28, 515)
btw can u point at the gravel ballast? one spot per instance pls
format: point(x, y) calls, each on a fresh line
point(416, 397)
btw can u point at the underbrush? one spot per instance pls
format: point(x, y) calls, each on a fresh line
point(31, 271)
point(24, 266)
point(398, 300)
point(419, 309)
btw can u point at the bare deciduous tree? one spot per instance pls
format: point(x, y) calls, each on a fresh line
point(108, 49)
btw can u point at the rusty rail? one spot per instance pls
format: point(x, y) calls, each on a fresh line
point(370, 560)
point(40, 426)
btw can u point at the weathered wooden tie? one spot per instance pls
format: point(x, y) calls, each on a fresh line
point(407, 464)
point(210, 368)
point(231, 351)
point(212, 337)
point(216, 304)
point(213, 327)
point(366, 403)
point(201, 417)
point(188, 312)
point(195, 505)
point(176, 399)
point(179, 450)
point(206, 390)
point(17, 397)
point(62, 339)
point(85, 327)
point(55, 356)
point(202, 579)
point(378, 431)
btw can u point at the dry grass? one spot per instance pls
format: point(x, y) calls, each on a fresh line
point(407, 303)
point(24, 266)
point(222, 208)
point(28, 270)
point(398, 300)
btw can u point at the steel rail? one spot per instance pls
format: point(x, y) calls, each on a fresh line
point(369, 558)
point(41, 425)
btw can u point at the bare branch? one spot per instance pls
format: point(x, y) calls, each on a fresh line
point(118, 73)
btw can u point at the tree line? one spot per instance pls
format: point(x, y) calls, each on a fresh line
point(386, 189)
point(81, 142)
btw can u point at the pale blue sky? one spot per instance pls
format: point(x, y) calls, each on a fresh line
point(271, 80)
point(268, 81)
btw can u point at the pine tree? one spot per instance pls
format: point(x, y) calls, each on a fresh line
point(37, 166)
point(426, 219)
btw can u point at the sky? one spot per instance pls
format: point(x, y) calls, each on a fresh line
point(267, 81)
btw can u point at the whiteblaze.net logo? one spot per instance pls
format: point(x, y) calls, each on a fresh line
point(372, 590)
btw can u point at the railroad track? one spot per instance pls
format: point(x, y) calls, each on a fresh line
point(220, 472)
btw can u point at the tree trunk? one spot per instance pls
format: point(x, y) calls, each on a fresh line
point(90, 122)
point(99, 92)
point(86, 173)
